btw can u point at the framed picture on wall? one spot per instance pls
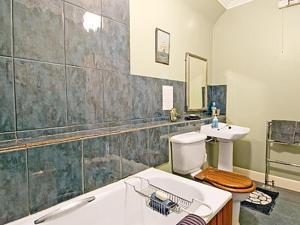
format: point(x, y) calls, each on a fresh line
point(162, 46)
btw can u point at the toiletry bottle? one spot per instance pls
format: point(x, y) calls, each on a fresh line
point(213, 109)
point(215, 122)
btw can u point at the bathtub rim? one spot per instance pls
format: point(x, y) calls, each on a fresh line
point(100, 193)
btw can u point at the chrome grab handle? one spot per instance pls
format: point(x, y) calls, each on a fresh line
point(64, 210)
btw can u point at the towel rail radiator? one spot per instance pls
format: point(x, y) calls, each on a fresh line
point(269, 141)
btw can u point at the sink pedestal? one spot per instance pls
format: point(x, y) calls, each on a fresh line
point(226, 134)
point(225, 155)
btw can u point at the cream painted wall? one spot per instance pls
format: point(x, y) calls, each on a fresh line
point(190, 23)
point(256, 52)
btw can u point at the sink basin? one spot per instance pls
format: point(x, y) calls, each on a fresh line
point(225, 131)
point(226, 134)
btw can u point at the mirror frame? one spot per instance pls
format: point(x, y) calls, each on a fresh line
point(187, 81)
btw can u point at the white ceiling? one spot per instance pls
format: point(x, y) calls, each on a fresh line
point(210, 9)
point(228, 4)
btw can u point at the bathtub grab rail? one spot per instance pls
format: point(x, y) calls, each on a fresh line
point(64, 210)
point(182, 205)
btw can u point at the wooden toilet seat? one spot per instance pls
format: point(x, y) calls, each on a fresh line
point(227, 181)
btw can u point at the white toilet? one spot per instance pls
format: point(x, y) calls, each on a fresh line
point(189, 155)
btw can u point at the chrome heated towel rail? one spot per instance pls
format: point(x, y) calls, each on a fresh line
point(269, 141)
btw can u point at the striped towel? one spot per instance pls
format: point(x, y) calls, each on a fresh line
point(192, 220)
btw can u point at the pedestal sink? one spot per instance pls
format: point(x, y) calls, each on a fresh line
point(226, 134)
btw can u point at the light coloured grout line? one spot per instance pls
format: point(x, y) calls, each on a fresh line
point(67, 65)
point(121, 150)
point(38, 61)
point(104, 74)
point(82, 169)
point(96, 13)
point(65, 59)
point(65, 127)
point(148, 146)
point(28, 185)
point(7, 133)
point(13, 66)
point(6, 57)
point(82, 8)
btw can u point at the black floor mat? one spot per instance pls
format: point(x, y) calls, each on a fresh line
point(261, 200)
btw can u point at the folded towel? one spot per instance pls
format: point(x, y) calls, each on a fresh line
point(192, 219)
point(283, 131)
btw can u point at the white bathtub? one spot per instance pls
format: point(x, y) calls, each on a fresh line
point(119, 204)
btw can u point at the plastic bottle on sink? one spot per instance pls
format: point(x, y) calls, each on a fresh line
point(215, 122)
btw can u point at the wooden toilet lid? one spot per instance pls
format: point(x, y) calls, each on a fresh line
point(229, 181)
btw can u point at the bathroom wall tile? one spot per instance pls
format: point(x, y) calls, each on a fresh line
point(7, 121)
point(179, 96)
point(148, 91)
point(8, 136)
point(116, 9)
point(177, 128)
point(55, 174)
point(116, 46)
point(90, 5)
point(13, 186)
point(68, 130)
point(102, 161)
point(34, 36)
point(42, 132)
point(40, 94)
point(135, 155)
point(158, 146)
point(209, 97)
point(117, 97)
point(84, 46)
point(6, 142)
point(5, 24)
point(142, 90)
point(106, 47)
point(85, 96)
point(195, 125)
point(218, 94)
point(297, 133)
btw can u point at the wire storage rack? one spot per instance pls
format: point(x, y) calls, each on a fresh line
point(173, 204)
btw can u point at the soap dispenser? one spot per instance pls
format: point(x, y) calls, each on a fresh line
point(215, 122)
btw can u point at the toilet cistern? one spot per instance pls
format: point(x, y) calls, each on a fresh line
point(226, 134)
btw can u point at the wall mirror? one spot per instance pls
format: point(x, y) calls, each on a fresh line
point(196, 82)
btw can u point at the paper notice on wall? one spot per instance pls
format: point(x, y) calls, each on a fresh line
point(167, 97)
